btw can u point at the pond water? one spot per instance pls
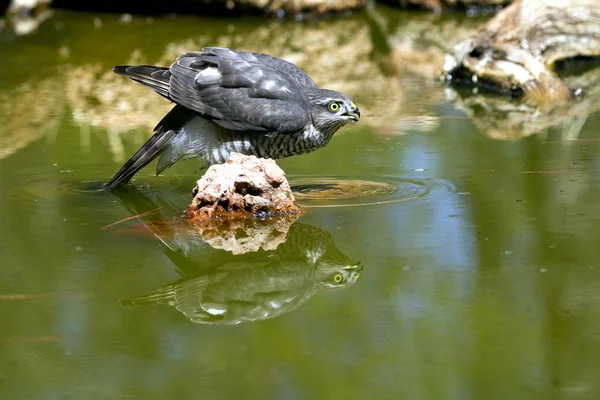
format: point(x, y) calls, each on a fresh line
point(465, 238)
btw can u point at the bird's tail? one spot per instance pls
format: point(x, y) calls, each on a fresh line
point(156, 78)
point(165, 131)
point(164, 295)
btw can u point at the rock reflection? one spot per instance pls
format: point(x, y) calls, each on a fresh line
point(278, 273)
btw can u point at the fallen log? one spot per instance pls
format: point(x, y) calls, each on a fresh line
point(517, 50)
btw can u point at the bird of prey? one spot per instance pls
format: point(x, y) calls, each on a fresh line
point(235, 101)
point(268, 285)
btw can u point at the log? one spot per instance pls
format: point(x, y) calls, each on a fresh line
point(517, 50)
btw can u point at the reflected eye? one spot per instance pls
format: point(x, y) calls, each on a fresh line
point(337, 278)
point(333, 106)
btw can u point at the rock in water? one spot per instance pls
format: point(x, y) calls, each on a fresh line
point(244, 187)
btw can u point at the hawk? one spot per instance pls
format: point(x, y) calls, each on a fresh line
point(268, 285)
point(235, 101)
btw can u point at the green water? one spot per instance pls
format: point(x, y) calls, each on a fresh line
point(468, 241)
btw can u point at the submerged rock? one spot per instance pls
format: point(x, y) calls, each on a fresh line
point(516, 50)
point(244, 187)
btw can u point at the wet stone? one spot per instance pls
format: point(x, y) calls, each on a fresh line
point(243, 187)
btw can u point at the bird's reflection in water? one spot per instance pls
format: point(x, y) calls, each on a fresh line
point(219, 287)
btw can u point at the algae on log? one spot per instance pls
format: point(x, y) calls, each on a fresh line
point(516, 50)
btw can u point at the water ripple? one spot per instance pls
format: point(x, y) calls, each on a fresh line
point(310, 192)
point(313, 192)
point(33, 185)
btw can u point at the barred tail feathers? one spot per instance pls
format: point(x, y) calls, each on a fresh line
point(164, 295)
point(165, 132)
point(156, 78)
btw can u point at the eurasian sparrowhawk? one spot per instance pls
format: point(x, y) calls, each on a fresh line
point(235, 101)
point(272, 283)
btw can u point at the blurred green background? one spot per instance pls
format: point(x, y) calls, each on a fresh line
point(479, 261)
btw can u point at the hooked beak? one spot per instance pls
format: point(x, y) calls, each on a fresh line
point(354, 114)
point(354, 269)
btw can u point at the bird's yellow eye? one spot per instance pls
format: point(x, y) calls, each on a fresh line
point(333, 106)
point(337, 278)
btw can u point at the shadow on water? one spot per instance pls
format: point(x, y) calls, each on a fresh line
point(260, 282)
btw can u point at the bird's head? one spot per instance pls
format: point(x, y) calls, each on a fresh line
point(338, 276)
point(331, 110)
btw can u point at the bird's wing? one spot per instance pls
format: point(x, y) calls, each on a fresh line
point(241, 91)
point(288, 69)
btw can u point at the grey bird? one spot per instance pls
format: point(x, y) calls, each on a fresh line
point(265, 286)
point(235, 101)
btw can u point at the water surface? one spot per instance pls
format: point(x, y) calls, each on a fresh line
point(467, 240)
